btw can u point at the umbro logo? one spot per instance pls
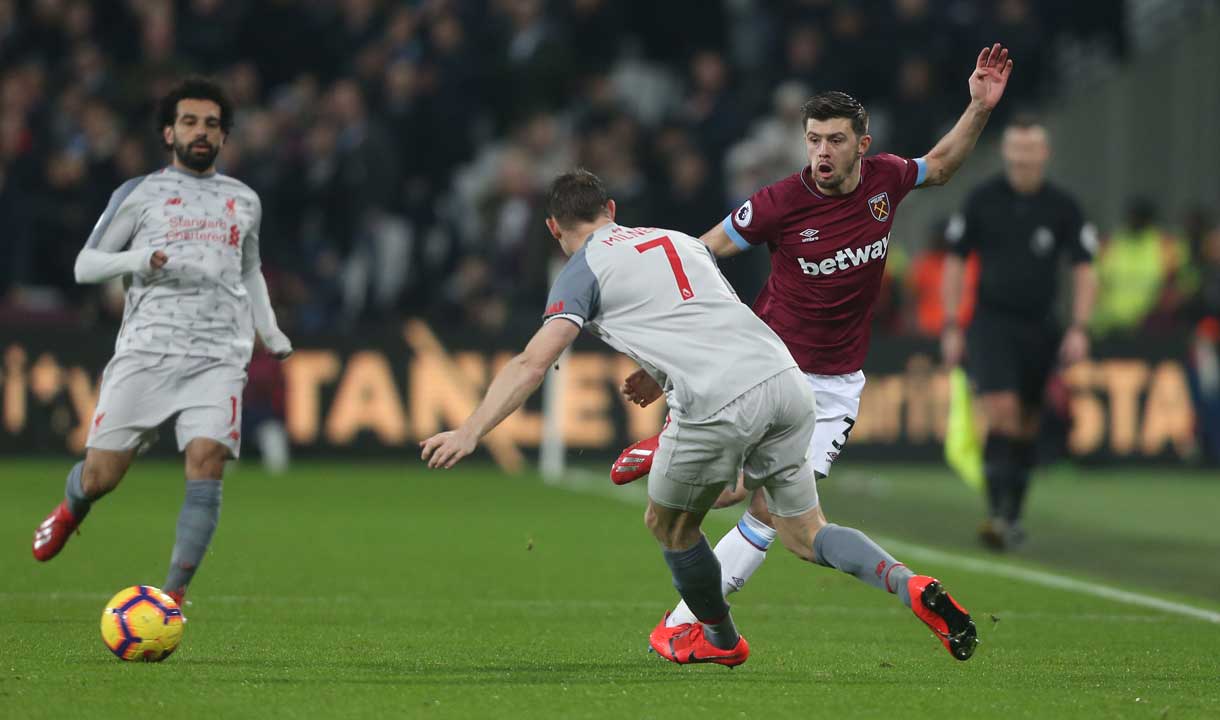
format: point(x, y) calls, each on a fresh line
point(809, 235)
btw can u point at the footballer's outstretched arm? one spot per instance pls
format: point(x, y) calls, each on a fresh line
point(256, 289)
point(719, 242)
point(508, 391)
point(987, 84)
point(103, 257)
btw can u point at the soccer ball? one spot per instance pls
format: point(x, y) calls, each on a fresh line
point(142, 623)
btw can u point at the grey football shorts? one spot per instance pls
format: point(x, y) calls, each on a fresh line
point(765, 434)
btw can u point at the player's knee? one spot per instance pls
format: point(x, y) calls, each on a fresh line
point(675, 538)
point(1004, 426)
point(1003, 414)
point(671, 530)
point(798, 534)
point(798, 541)
point(206, 468)
point(101, 473)
point(661, 528)
point(96, 481)
point(205, 460)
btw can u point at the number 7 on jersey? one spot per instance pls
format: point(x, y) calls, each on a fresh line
point(675, 263)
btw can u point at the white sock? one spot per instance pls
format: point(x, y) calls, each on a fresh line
point(740, 553)
point(273, 442)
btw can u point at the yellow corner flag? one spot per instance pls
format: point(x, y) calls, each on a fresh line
point(963, 453)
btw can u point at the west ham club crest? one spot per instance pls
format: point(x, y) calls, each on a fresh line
point(879, 206)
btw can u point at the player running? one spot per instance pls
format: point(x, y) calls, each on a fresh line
point(828, 230)
point(737, 402)
point(186, 239)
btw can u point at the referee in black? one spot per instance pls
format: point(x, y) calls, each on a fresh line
point(1021, 226)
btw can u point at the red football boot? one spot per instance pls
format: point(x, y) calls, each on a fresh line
point(51, 536)
point(635, 462)
point(658, 639)
point(686, 644)
point(952, 624)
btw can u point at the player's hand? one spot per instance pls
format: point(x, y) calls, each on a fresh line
point(990, 76)
point(1075, 347)
point(157, 260)
point(640, 388)
point(278, 345)
point(732, 495)
point(952, 345)
point(444, 450)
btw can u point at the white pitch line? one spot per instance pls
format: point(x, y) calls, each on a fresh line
point(1051, 580)
point(586, 606)
point(593, 484)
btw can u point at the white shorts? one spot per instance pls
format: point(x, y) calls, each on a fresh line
point(836, 403)
point(140, 391)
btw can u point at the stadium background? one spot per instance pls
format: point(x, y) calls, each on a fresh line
point(400, 149)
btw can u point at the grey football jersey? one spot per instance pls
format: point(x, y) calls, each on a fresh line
point(208, 227)
point(657, 296)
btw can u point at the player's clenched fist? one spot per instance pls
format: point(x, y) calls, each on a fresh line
point(158, 260)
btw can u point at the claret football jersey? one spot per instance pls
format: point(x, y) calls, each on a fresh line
point(827, 258)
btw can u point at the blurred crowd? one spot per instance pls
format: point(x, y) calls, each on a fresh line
point(401, 148)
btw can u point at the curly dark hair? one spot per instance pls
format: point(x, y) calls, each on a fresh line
point(835, 104)
point(194, 88)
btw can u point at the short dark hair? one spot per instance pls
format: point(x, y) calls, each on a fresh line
point(835, 104)
point(195, 88)
point(577, 196)
point(1024, 121)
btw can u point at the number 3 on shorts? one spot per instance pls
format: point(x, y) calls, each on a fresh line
point(848, 424)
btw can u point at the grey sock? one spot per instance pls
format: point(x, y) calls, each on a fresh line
point(196, 523)
point(696, 575)
point(852, 551)
point(74, 492)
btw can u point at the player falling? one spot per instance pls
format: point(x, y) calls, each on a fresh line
point(828, 230)
point(186, 238)
point(737, 402)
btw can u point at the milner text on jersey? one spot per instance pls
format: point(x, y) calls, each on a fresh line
point(845, 259)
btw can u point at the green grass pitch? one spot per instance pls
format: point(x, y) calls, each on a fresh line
point(384, 590)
